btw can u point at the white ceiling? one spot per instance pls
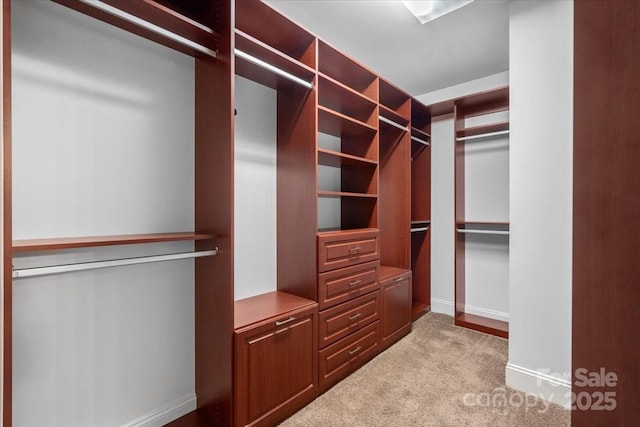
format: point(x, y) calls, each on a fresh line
point(470, 43)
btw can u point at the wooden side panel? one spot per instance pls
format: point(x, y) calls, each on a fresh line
point(394, 199)
point(606, 204)
point(5, 88)
point(214, 214)
point(296, 193)
point(421, 184)
point(421, 268)
point(459, 217)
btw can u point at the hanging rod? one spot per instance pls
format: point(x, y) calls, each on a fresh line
point(64, 268)
point(420, 141)
point(267, 66)
point(392, 123)
point(470, 231)
point(149, 26)
point(484, 135)
point(418, 229)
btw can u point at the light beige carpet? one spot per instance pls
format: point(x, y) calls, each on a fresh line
point(438, 375)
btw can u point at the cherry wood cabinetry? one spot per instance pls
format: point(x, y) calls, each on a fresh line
point(395, 295)
point(276, 358)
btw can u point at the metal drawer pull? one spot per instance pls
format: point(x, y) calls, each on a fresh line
point(355, 283)
point(355, 350)
point(282, 322)
point(355, 316)
point(399, 279)
point(355, 250)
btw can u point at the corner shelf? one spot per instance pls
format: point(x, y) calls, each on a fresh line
point(341, 98)
point(337, 124)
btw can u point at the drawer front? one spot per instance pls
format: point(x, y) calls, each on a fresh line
point(345, 356)
point(338, 286)
point(338, 250)
point(339, 321)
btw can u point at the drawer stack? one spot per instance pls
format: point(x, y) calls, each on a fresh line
point(349, 302)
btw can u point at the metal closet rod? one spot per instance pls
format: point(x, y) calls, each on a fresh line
point(149, 26)
point(418, 229)
point(484, 135)
point(273, 69)
point(392, 123)
point(420, 141)
point(65, 268)
point(470, 231)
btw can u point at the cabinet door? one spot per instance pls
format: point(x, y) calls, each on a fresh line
point(396, 308)
point(276, 366)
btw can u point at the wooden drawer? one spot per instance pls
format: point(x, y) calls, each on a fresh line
point(339, 321)
point(342, 285)
point(345, 356)
point(344, 248)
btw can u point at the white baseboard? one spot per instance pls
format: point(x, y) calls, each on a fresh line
point(166, 413)
point(442, 306)
point(447, 307)
point(550, 388)
point(484, 312)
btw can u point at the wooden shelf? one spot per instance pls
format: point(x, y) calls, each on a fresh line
point(335, 231)
point(336, 194)
point(336, 159)
point(419, 309)
point(337, 65)
point(263, 307)
point(394, 99)
point(32, 245)
point(393, 116)
point(340, 125)
point(420, 134)
point(483, 324)
point(195, 30)
point(257, 49)
point(341, 98)
point(488, 226)
point(280, 33)
point(387, 272)
point(483, 131)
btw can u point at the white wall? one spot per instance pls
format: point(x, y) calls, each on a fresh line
point(481, 276)
point(102, 144)
point(541, 68)
point(255, 231)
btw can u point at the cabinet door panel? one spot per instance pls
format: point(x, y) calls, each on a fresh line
point(275, 368)
point(396, 309)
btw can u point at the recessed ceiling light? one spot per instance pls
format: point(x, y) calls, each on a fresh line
point(428, 10)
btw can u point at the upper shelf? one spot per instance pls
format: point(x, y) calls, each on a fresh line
point(337, 124)
point(262, 63)
point(396, 118)
point(346, 70)
point(33, 245)
point(394, 99)
point(484, 131)
point(336, 159)
point(343, 99)
point(159, 21)
point(260, 21)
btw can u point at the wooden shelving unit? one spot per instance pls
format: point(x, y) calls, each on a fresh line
point(471, 107)
point(206, 25)
point(420, 207)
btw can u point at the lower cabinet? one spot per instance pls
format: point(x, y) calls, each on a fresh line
point(276, 365)
point(395, 288)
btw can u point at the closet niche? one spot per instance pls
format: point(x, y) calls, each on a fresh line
point(275, 217)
